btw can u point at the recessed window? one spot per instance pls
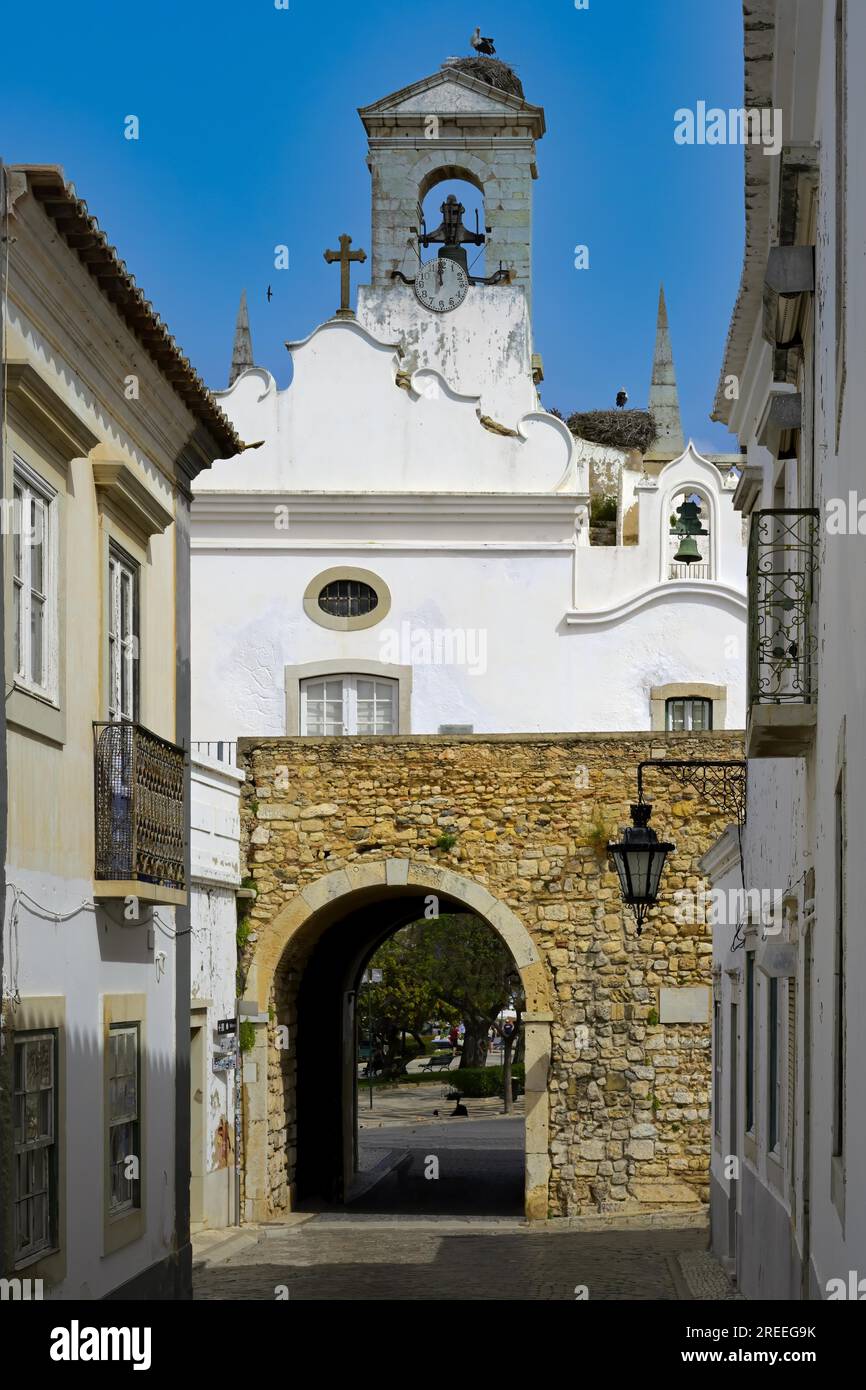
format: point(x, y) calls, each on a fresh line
point(348, 598)
point(123, 1119)
point(34, 1103)
point(337, 705)
point(122, 636)
point(688, 715)
point(34, 586)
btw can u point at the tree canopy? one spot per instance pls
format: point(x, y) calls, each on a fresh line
point(453, 965)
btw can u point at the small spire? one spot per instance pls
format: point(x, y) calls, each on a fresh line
point(242, 352)
point(664, 400)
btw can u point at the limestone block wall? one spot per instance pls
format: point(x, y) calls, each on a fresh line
point(405, 168)
point(625, 1117)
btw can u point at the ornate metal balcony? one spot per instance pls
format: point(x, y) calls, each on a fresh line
point(140, 821)
point(782, 640)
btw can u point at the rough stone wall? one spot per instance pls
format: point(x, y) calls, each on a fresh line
point(629, 1100)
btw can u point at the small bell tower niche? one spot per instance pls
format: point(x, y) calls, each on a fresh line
point(452, 126)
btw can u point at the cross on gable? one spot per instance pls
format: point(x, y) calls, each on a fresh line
point(345, 257)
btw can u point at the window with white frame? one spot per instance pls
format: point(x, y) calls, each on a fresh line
point(688, 715)
point(124, 1159)
point(335, 705)
point(35, 1180)
point(122, 636)
point(34, 583)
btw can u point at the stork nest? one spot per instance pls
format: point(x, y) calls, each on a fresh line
point(615, 429)
point(490, 70)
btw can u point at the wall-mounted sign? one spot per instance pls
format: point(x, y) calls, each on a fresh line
point(227, 1025)
point(224, 1061)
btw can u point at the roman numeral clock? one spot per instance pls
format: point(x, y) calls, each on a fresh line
point(443, 284)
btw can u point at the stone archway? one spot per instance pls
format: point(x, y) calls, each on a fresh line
point(376, 898)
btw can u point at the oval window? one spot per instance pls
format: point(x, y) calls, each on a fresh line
point(348, 598)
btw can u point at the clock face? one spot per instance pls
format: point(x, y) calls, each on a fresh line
point(441, 285)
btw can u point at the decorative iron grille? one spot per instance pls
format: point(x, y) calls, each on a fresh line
point(139, 785)
point(782, 642)
point(222, 750)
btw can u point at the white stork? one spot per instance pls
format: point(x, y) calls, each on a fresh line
point(481, 45)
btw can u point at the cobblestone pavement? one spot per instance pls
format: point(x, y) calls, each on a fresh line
point(344, 1257)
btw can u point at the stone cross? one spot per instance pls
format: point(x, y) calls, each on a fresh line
point(344, 256)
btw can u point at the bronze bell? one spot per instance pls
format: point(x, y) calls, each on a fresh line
point(689, 526)
point(688, 553)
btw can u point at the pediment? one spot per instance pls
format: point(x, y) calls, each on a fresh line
point(449, 91)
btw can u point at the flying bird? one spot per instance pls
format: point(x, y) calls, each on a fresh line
point(621, 397)
point(270, 294)
point(481, 45)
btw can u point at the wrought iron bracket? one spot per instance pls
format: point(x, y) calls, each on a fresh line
point(722, 784)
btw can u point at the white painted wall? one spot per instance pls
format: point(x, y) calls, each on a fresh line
point(483, 348)
point(474, 532)
point(791, 822)
point(215, 880)
point(98, 953)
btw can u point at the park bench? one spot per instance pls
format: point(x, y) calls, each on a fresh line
point(438, 1062)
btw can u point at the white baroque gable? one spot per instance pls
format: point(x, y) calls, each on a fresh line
point(353, 419)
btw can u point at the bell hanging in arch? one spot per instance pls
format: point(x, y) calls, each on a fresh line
point(689, 526)
point(688, 553)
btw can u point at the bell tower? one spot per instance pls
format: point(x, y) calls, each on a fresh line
point(453, 126)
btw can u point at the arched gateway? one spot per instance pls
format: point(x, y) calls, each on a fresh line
point(346, 839)
point(304, 973)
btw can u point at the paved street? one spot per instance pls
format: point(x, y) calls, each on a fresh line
point(456, 1236)
point(479, 1167)
point(360, 1258)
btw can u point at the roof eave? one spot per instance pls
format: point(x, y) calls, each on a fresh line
point(83, 235)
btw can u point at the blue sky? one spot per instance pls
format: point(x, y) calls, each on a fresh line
point(249, 138)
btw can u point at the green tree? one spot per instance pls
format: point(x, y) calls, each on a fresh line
point(401, 1004)
point(474, 974)
point(453, 964)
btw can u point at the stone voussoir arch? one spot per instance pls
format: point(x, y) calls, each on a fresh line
point(321, 901)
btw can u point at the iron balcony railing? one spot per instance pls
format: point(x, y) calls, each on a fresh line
point(222, 750)
point(781, 572)
point(139, 786)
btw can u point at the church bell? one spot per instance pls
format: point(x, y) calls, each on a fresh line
point(688, 553)
point(689, 526)
point(455, 253)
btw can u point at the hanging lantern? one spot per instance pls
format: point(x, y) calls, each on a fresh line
point(689, 526)
point(640, 857)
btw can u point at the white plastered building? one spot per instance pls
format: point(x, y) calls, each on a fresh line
point(408, 550)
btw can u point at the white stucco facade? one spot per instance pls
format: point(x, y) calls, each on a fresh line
point(410, 448)
point(214, 920)
point(801, 1223)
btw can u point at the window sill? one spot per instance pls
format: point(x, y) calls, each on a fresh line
point(27, 1261)
point(122, 1230)
point(775, 1171)
point(36, 714)
point(750, 1147)
point(837, 1186)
